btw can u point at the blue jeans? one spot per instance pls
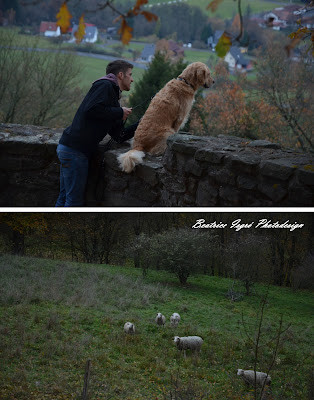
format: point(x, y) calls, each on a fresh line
point(73, 177)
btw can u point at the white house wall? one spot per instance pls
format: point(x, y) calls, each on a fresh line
point(53, 33)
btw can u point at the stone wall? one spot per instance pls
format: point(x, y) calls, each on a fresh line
point(194, 172)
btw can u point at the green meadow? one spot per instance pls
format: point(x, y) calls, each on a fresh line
point(228, 8)
point(94, 68)
point(55, 315)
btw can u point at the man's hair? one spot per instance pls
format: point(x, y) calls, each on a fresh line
point(118, 66)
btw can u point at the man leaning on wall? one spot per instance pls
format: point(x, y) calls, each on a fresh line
point(98, 115)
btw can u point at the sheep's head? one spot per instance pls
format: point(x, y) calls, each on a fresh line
point(176, 339)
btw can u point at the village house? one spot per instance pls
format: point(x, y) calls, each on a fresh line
point(279, 18)
point(49, 29)
point(237, 61)
point(176, 49)
point(213, 40)
point(91, 33)
point(148, 53)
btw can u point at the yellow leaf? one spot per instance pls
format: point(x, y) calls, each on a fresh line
point(125, 31)
point(64, 18)
point(80, 33)
point(223, 45)
point(213, 5)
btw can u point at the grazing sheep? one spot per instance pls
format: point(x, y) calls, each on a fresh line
point(248, 377)
point(129, 328)
point(175, 319)
point(160, 319)
point(184, 343)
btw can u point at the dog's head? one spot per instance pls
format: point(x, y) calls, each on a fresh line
point(198, 74)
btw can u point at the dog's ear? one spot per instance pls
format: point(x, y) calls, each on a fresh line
point(201, 75)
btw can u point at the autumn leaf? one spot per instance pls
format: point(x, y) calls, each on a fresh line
point(149, 16)
point(64, 18)
point(213, 5)
point(139, 3)
point(80, 33)
point(223, 45)
point(125, 31)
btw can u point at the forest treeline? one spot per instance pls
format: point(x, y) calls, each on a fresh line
point(167, 241)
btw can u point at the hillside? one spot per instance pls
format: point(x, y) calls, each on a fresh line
point(227, 8)
point(55, 315)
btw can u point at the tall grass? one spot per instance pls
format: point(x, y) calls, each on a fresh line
point(56, 315)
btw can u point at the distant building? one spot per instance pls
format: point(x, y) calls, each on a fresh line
point(279, 18)
point(307, 17)
point(237, 61)
point(213, 40)
point(49, 29)
point(148, 53)
point(91, 33)
point(176, 48)
point(111, 31)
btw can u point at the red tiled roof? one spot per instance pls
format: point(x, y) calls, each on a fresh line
point(47, 26)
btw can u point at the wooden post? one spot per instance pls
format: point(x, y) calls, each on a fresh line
point(86, 380)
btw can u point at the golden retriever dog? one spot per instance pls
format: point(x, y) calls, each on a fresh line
point(166, 114)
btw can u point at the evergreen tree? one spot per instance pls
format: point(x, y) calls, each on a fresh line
point(206, 33)
point(160, 71)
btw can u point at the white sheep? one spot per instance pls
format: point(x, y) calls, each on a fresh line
point(175, 319)
point(129, 328)
point(249, 378)
point(160, 319)
point(184, 343)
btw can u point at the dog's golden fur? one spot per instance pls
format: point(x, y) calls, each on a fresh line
point(166, 114)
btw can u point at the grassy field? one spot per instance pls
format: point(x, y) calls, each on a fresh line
point(55, 315)
point(93, 68)
point(228, 8)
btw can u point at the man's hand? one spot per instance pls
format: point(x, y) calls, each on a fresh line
point(126, 112)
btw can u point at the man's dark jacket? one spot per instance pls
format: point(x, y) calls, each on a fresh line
point(98, 115)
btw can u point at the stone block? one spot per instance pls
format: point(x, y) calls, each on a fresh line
point(246, 182)
point(210, 155)
point(305, 174)
point(115, 183)
point(243, 162)
point(185, 144)
point(206, 195)
point(193, 167)
point(222, 176)
point(110, 159)
point(279, 169)
point(301, 196)
point(142, 191)
point(173, 183)
point(188, 201)
point(169, 160)
point(274, 191)
point(191, 185)
point(148, 172)
point(230, 196)
point(266, 144)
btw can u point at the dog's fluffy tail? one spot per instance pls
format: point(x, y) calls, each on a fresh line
point(128, 160)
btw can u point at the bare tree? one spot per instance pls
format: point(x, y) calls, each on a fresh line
point(245, 258)
point(287, 85)
point(303, 275)
point(260, 340)
point(35, 87)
